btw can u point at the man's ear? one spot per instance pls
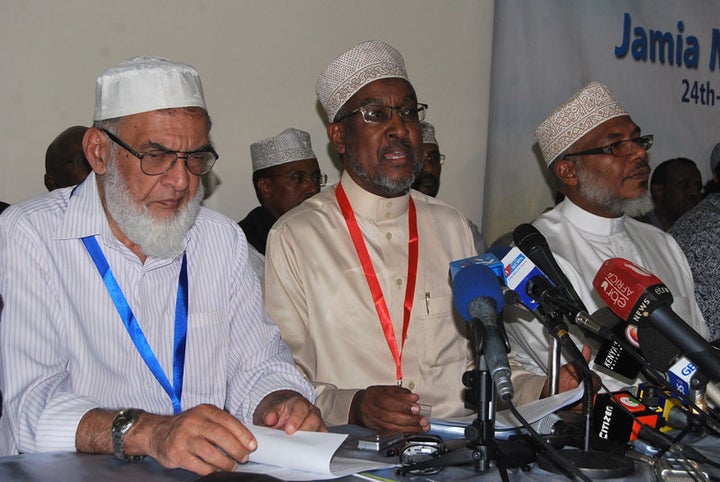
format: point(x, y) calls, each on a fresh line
point(566, 171)
point(96, 150)
point(336, 135)
point(264, 187)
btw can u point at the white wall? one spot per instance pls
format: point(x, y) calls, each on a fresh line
point(259, 61)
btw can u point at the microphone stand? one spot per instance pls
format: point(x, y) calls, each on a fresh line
point(594, 464)
point(481, 447)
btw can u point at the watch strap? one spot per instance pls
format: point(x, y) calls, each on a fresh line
point(124, 420)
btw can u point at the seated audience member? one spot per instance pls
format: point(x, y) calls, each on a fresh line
point(65, 162)
point(675, 187)
point(598, 157)
point(285, 173)
point(713, 185)
point(357, 276)
point(133, 323)
point(428, 181)
point(698, 234)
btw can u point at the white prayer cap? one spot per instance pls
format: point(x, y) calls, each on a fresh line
point(290, 145)
point(428, 133)
point(353, 70)
point(144, 84)
point(587, 109)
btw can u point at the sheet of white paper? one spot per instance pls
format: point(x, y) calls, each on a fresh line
point(302, 456)
point(532, 412)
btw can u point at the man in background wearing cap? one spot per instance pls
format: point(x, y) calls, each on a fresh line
point(65, 163)
point(428, 181)
point(133, 323)
point(285, 173)
point(599, 158)
point(357, 276)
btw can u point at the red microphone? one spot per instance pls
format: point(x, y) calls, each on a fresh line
point(641, 298)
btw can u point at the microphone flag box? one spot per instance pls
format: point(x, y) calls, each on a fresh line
point(613, 357)
point(486, 259)
point(680, 375)
point(519, 270)
point(618, 416)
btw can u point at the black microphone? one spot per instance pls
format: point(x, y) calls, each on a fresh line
point(634, 294)
point(535, 246)
point(478, 297)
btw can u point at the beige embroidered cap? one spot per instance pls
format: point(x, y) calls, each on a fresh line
point(428, 133)
point(290, 145)
point(584, 111)
point(353, 70)
point(143, 84)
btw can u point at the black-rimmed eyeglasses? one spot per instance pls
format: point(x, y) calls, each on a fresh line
point(380, 114)
point(156, 162)
point(618, 149)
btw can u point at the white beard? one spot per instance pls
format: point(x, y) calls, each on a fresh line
point(162, 239)
point(594, 189)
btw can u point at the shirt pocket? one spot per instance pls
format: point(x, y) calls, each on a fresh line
point(206, 353)
point(444, 333)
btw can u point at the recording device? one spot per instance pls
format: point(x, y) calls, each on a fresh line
point(478, 298)
point(636, 295)
point(379, 443)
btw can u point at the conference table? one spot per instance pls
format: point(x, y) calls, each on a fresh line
point(53, 466)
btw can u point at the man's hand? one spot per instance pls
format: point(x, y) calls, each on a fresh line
point(203, 439)
point(570, 375)
point(388, 409)
point(289, 411)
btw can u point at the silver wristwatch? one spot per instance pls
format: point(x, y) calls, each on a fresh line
point(124, 421)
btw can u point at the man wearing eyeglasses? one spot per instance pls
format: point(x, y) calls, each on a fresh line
point(357, 276)
point(598, 157)
point(65, 163)
point(285, 173)
point(133, 324)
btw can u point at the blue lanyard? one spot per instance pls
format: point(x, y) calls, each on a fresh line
point(138, 337)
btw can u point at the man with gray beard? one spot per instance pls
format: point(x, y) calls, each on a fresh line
point(133, 324)
point(598, 157)
point(357, 276)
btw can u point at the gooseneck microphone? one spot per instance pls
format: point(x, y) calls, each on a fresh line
point(635, 295)
point(479, 298)
point(535, 246)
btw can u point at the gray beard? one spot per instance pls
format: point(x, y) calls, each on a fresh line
point(162, 239)
point(593, 189)
point(384, 186)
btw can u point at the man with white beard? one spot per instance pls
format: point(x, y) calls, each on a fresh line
point(598, 157)
point(133, 324)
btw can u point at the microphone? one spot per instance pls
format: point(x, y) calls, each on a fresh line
point(479, 298)
point(618, 418)
point(535, 246)
point(636, 295)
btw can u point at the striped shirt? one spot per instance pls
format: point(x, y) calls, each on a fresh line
point(64, 349)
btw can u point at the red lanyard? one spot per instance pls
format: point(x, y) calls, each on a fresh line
point(371, 277)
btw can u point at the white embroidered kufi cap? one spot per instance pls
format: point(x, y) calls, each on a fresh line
point(428, 133)
point(587, 109)
point(144, 84)
point(290, 145)
point(353, 70)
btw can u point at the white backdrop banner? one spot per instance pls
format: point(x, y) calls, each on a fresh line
point(661, 57)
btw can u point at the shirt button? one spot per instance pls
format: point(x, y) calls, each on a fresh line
point(389, 205)
point(411, 386)
point(398, 281)
point(388, 236)
point(147, 385)
point(387, 215)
